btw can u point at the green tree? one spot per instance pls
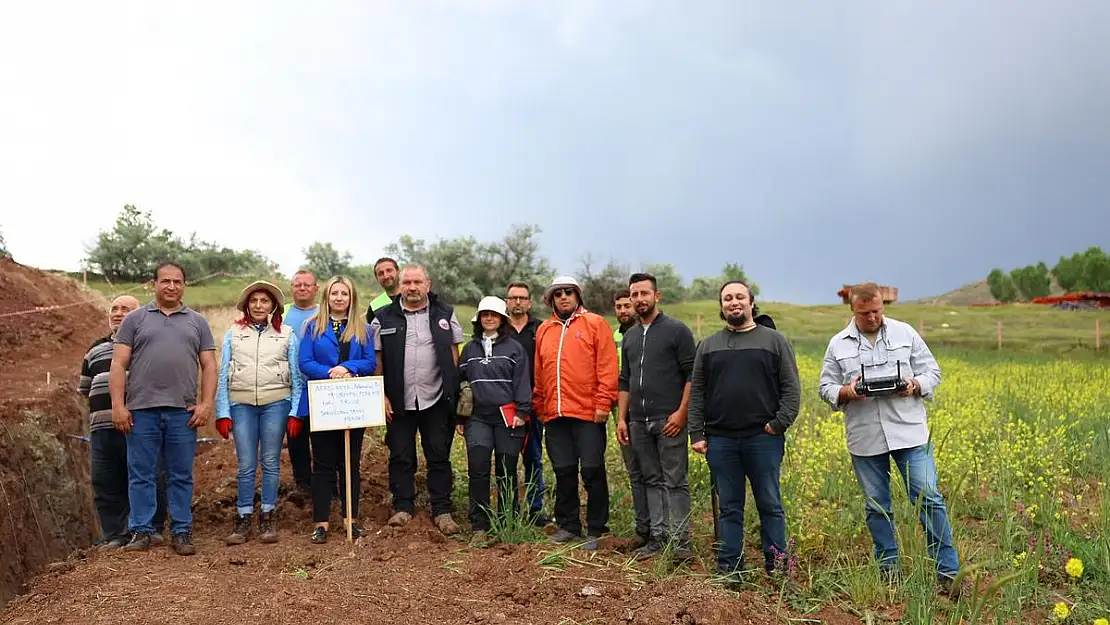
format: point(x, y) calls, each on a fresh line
point(3, 247)
point(1032, 281)
point(733, 271)
point(325, 261)
point(669, 282)
point(463, 269)
point(600, 286)
point(1002, 286)
point(133, 247)
point(1088, 270)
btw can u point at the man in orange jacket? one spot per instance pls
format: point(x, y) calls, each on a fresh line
point(576, 388)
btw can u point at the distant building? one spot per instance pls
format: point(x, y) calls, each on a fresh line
point(889, 293)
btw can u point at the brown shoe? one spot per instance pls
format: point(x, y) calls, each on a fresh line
point(400, 519)
point(267, 528)
point(446, 524)
point(183, 544)
point(242, 530)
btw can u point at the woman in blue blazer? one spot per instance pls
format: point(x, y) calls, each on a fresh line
point(334, 346)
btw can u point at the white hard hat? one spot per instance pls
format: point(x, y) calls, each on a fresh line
point(491, 303)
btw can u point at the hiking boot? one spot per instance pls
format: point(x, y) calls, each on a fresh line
point(590, 544)
point(156, 539)
point(319, 535)
point(446, 524)
point(562, 536)
point(140, 541)
point(649, 550)
point(112, 544)
point(242, 530)
point(400, 519)
point(682, 552)
point(183, 544)
point(949, 587)
point(267, 527)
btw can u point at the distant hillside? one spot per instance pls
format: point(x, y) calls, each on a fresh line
point(974, 293)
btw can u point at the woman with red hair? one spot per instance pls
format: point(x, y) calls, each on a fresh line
point(256, 399)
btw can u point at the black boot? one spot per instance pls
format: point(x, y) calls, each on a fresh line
point(267, 527)
point(242, 530)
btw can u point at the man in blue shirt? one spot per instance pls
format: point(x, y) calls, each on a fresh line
point(303, 307)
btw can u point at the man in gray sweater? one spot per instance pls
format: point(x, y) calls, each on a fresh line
point(744, 394)
point(657, 358)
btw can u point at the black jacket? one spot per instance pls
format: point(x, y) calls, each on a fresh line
point(527, 339)
point(497, 380)
point(394, 325)
point(656, 366)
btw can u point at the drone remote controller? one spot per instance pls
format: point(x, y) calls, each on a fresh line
point(879, 387)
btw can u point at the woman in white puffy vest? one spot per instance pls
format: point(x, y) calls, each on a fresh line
point(257, 395)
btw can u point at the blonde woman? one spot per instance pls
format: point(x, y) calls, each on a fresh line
point(256, 392)
point(335, 345)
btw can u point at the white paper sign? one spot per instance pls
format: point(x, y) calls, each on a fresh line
point(346, 403)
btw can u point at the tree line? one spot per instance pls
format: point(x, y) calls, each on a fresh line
point(463, 269)
point(1083, 271)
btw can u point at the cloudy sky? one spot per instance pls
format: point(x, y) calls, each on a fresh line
point(815, 144)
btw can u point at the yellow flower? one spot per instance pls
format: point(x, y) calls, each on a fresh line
point(1060, 610)
point(1101, 621)
point(1074, 567)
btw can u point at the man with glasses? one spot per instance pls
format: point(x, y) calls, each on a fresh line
point(522, 327)
point(889, 427)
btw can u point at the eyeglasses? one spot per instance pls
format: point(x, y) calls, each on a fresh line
point(561, 292)
point(517, 298)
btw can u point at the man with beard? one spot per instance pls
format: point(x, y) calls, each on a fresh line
point(626, 318)
point(388, 276)
point(744, 394)
point(576, 387)
point(522, 327)
point(890, 428)
point(657, 360)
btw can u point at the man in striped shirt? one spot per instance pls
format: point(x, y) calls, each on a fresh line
point(109, 445)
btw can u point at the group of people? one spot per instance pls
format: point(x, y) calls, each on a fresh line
point(516, 385)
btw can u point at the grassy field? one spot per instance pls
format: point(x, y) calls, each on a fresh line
point(1022, 439)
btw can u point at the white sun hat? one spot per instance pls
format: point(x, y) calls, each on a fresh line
point(491, 303)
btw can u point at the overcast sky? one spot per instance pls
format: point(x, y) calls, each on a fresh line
point(815, 144)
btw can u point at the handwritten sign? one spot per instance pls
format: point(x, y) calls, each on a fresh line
point(346, 403)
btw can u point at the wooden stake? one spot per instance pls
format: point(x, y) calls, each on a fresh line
point(1098, 337)
point(699, 326)
point(999, 335)
point(921, 326)
point(347, 469)
point(48, 374)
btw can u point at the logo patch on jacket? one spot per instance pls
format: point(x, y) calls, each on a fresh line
point(444, 325)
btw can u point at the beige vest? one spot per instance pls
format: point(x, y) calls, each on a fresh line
point(259, 370)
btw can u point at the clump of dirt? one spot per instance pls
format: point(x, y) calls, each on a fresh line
point(45, 498)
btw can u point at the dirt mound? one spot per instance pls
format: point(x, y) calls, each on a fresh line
point(45, 499)
point(415, 572)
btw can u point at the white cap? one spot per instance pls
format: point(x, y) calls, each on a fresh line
point(493, 304)
point(562, 281)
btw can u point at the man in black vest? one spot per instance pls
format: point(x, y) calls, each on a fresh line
point(416, 338)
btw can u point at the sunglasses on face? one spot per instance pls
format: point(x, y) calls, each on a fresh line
point(563, 292)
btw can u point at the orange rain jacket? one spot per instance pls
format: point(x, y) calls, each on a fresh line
point(576, 367)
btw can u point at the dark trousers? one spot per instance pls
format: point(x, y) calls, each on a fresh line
point(437, 430)
point(757, 459)
point(572, 443)
point(329, 470)
point(108, 468)
point(300, 457)
point(532, 455)
point(484, 438)
point(663, 462)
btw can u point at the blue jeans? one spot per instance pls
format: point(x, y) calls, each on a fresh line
point(756, 458)
point(160, 434)
point(533, 465)
point(919, 472)
point(257, 427)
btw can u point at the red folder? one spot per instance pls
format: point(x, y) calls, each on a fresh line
point(508, 413)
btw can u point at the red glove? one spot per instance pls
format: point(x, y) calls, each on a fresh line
point(294, 425)
point(223, 426)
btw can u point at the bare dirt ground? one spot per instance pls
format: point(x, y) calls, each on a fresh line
point(415, 574)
